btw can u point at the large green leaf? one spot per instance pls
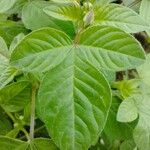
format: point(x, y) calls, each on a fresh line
point(105, 47)
point(145, 12)
point(15, 96)
point(120, 17)
point(34, 18)
point(73, 101)
point(6, 5)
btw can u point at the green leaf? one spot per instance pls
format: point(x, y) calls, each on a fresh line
point(133, 4)
point(7, 75)
point(45, 48)
point(10, 29)
point(144, 72)
point(128, 145)
point(42, 144)
point(115, 130)
point(142, 130)
point(16, 41)
point(15, 96)
point(73, 102)
point(34, 18)
point(127, 87)
point(5, 124)
point(4, 54)
point(102, 1)
point(145, 12)
point(12, 144)
point(120, 17)
point(66, 12)
point(128, 110)
point(6, 5)
point(35, 144)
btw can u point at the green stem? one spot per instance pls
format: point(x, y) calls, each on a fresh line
point(35, 131)
point(32, 112)
point(26, 134)
point(9, 115)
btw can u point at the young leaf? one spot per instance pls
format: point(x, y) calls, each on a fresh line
point(128, 110)
point(120, 17)
point(115, 130)
point(66, 12)
point(7, 75)
point(4, 55)
point(6, 5)
point(73, 102)
point(34, 18)
point(145, 12)
point(112, 50)
point(15, 96)
point(139, 107)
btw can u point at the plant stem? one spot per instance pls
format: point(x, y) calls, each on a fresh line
point(35, 131)
point(32, 112)
point(9, 115)
point(26, 134)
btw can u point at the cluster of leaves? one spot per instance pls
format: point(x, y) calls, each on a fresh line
point(58, 65)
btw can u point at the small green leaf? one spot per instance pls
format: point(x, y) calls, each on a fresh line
point(115, 130)
point(15, 96)
point(140, 107)
point(127, 111)
point(120, 17)
point(5, 123)
point(16, 41)
point(7, 75)
point(66, 12)
point(128, 145)
point(10, 29)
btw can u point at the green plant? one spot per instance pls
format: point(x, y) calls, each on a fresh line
point(58, 66)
